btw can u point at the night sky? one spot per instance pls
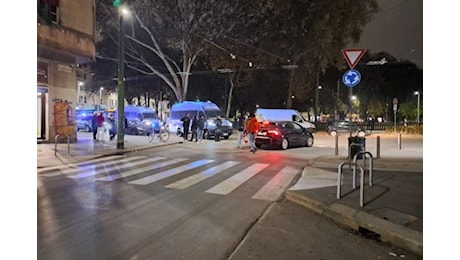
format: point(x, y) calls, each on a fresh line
point(397, 29)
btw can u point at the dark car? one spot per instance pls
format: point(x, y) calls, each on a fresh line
point(143, 127)
point(335, 127)
point(283, 134)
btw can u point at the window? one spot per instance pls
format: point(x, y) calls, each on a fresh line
point(48, 10)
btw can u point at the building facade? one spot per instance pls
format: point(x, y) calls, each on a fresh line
point(65, 45)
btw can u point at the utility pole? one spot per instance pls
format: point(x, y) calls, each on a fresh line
point(121, 76)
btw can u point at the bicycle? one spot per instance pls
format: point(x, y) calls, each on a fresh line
point(162, 134)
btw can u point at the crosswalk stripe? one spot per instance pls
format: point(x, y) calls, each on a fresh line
point(277, 185)
point(141, 170)
point(93, 169)
point(164, 174)
point(191, 180)
point(236, 180)
point(73, 167)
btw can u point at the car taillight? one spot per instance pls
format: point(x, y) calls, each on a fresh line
point(274, 132)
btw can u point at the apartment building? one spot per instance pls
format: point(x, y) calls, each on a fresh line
point(65, 45)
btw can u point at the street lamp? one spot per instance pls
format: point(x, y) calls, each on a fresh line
point(418, 106)
point(100, 94)
point(121, 71)
point(317, 103)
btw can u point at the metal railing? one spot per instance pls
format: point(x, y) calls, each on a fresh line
point(355, 165)
point(56, 139)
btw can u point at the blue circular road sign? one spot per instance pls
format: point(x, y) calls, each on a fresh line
point(351, 78)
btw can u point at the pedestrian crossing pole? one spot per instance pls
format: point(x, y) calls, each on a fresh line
point(121, 72)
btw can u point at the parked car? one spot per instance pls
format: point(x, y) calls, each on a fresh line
point(143, 127)
point(284, 134)
point(335, 127)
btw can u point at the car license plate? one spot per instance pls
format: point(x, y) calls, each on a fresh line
point(262, 133)
point(225, 134)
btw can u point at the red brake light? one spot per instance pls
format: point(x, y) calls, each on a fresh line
point(274, 132)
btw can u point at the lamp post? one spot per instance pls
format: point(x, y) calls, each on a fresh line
point(317, 114)
point(121, 72)
point(418, 106)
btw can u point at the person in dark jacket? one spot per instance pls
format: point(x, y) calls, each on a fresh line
point(112, 127)
point(186, 125)
point(94, 125)
point(218, 132)
point(193, 128)
point(241, 128)
point(200, 129)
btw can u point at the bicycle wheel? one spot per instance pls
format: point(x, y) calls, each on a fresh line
point(150, 137)
point(164, 135)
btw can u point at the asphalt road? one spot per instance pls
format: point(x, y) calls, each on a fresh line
point(191, 201)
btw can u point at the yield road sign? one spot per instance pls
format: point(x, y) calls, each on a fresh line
point(352, 56)
point(351, 78)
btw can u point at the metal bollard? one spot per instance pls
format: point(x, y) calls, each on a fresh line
point(378, 147)
point(336, 144)
point(399, 141)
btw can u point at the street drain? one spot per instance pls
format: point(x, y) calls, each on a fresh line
point(369, 234)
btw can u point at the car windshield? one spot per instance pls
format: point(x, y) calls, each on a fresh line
point(213, 113)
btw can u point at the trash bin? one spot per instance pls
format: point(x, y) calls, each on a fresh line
point(360, 145)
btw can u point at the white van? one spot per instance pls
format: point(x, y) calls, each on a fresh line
point(283, 114)
point(209, 110)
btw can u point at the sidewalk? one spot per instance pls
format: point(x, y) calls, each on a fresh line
point(50, 154)
point(393, 206)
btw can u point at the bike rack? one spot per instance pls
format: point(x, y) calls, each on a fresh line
point(56, 138)
point(371, 165)
point(361, 188)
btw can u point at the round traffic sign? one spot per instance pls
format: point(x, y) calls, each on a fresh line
point(351, 78)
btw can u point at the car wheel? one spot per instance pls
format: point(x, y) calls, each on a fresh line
point(309, 142)
point(134, 131)
point(333, 133)
point(284, 144)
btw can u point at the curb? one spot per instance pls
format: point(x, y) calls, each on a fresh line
point(389, 232)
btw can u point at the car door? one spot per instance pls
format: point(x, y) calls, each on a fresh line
point(290, 132)
point(299, 134)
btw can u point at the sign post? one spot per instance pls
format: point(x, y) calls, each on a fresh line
point(352, 77)
point(395, 107)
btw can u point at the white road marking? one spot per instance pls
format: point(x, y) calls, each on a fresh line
point(191, 180)
point(277, 185)
point(318, 178)
point(73, 167)
point(165, 174)
point(141, 170)
point(236, 180)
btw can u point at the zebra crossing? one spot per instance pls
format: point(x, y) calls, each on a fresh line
point(158, 168)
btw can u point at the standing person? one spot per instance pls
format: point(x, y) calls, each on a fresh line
point(112, 127)
point(194, 128)
point(218, 123)
point(253, 128)
point(94, 125)
point(186, 125)
point(200, 129)
point(241, 127)
point(100, 126)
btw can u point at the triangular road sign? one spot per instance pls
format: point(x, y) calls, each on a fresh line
point(353, 56)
